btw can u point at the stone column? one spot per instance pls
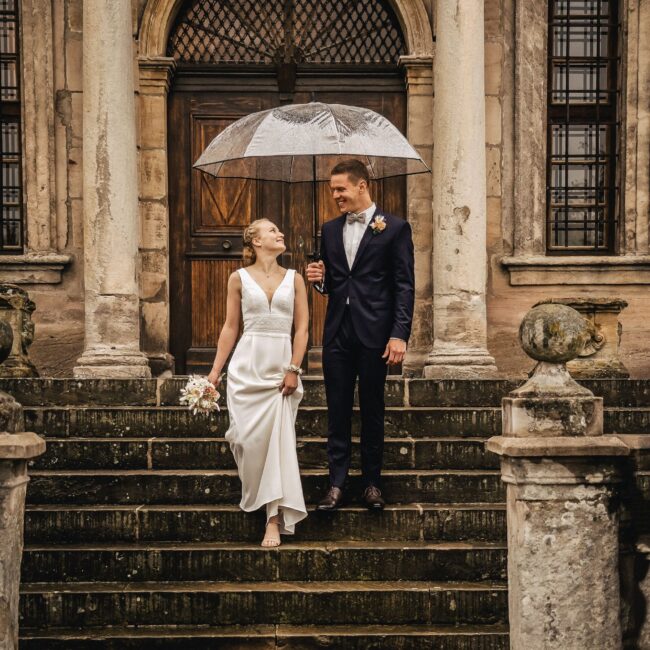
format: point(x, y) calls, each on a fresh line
point(110, 173)
point(562, 475)
point(459, 196)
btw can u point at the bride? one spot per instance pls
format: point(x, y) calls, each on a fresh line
point(264, 387)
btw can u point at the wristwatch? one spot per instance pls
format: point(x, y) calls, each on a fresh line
point(294, 368)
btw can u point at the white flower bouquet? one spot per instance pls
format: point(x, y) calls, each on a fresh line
point(199, 395)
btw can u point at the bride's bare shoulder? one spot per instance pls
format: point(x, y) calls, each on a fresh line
point(234, 281)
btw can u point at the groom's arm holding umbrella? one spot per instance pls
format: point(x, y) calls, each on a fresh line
point(316, 271)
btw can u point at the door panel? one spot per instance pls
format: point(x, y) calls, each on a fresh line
point(207, 216)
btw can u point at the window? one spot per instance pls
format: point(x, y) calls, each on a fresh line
point(582, 183)
point(11, 219)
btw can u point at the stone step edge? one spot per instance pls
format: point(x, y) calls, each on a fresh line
point(420, 506)
point(309, 409)
point(304, 587)
point(233, 472)
point(220, 440)
point(267, 631)
point(286, 547)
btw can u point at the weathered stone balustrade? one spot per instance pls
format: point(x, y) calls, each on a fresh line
point(562, 478)
point(16, 449)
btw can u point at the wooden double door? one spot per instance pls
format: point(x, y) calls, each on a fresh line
point(207, 215)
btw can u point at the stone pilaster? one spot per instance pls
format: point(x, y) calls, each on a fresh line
point(561, 474)
point(155, 74)
point(459, 197)
point(110, 190)
point(419, 130)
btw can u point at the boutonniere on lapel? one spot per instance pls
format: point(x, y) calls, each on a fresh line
point(378, 225)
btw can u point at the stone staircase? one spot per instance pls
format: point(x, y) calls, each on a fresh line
point(134, 540)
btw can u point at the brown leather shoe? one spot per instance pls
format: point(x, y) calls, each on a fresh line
point(331, 500)
point(373, 499)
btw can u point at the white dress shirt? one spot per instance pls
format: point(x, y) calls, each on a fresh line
point(353, 234)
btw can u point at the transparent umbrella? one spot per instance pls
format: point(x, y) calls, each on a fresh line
point(302, 142)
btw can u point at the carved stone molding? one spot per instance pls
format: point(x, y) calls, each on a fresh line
point(33, 268)
point(541, 270)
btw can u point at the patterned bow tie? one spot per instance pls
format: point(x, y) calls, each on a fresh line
point(352, 217)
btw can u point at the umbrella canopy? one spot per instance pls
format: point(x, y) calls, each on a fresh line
point(302, 142)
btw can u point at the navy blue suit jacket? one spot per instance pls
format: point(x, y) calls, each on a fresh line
point(380, 284)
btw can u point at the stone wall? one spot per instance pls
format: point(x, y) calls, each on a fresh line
point(59, 315)
point(507, 304)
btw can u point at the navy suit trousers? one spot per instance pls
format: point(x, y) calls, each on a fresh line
point(345, 359)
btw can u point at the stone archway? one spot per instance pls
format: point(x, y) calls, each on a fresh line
point(156, 70)
point(159, 15)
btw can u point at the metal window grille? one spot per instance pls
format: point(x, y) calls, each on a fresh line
point(11, 219)
point(582, 182)
point(290, 31)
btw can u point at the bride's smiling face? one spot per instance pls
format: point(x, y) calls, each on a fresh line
point(270, 239)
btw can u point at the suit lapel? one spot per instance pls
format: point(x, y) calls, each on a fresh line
point(337, 227)
point(365, 240)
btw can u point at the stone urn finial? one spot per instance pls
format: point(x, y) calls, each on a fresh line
point(551, 402)
point(553, 334)
point(16, 309)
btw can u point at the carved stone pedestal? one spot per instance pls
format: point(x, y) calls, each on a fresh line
point(16, 449)
point(562, 499)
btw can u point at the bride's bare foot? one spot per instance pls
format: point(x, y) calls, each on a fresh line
point(272, 535)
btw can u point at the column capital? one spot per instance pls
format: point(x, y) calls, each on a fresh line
point(419, 72)
point(156, 74)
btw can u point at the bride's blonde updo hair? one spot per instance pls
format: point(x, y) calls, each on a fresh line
point(250, 232)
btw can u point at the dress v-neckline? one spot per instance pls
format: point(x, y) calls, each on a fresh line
point(259, 286)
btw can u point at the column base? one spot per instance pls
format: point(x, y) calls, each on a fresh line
point(461, 363)
point(112, 364)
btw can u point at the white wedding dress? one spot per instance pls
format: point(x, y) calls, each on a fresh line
point(262, 433)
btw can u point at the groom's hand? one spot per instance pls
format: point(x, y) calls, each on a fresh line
point(316, 272)
point(394, 352)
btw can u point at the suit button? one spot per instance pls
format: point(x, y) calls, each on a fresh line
point(349, 276)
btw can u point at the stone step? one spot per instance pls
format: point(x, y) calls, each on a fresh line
point(294, 603)
point(399, 391)
point(170, 421)
point(151, 422)
point(86, 487)
point(271, 637)
point(310, 561)
point(223, 523)
point(214, 453)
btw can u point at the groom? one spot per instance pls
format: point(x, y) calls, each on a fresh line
point(367, 273)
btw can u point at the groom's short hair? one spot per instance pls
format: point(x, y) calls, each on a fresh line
point(355, 170)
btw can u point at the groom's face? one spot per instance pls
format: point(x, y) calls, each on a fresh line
point(350, 196)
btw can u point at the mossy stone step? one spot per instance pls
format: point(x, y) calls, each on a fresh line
point(223, 486)
point(148, 422)
point(214, 453)
point(295, 603)
point(251, 563)
point(227, 523)
point(271, 637)
point(399, 391)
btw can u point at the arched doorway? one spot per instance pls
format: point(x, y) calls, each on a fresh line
point(239, 56)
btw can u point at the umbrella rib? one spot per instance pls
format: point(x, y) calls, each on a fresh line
point(336, 132)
